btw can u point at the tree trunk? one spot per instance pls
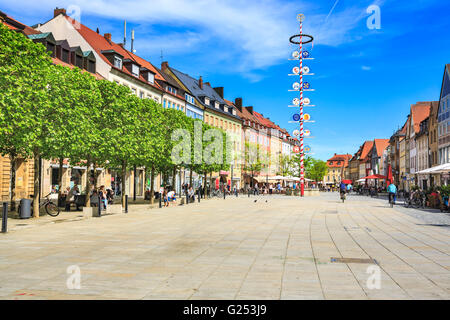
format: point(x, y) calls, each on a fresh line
point(152, 184)
point(88, 183)
point(12, 161)
point(96, 174)
point(174, 173)
point(36, 184)
point(134, 183)
point(124, 174)
point(204, 185)
point(60, 174)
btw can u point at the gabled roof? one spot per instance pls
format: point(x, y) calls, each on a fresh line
point(101, 45)
point(16, 25)
point(419, 112)
point(343, 160)
point(34, 34)
point(366, 147)
point(381, 145)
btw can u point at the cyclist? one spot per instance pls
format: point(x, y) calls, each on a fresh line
point(392, 190)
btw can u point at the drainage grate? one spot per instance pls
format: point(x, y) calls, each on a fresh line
point(354, 260)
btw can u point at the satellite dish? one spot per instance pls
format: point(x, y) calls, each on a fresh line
point(296, 101)
point(306, 101)
point(296, 86)
point(296, 70)
point(305, 69)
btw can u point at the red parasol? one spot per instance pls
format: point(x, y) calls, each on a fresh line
point(389, 179)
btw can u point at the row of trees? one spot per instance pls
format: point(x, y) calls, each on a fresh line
point(54, 112)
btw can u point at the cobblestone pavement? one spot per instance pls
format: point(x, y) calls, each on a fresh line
point(275, 248)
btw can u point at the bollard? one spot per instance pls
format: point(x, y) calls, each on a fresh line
point(100, 204)
point(224, 193)
point(5, 217)
point(160, 199)
point(198, 195)
point(187, 197)
point(126, 203)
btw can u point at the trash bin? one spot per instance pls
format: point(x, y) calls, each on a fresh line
point(25, 209)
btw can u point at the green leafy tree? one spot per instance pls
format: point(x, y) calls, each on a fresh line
point(253, 162)
point(74, 97)
point(25, 68)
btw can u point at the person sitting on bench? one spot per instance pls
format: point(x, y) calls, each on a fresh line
point(72, 198)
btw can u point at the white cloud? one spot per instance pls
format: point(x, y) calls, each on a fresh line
point(366, 68)
point(251, 34)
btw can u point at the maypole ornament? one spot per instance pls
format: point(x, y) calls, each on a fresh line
point(300, 71)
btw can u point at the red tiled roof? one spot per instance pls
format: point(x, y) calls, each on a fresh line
point(71, 66)
point(99, 44)
point(419, 112)
point(13, 24)
point(341, 158)
point(381, 145)
point(367, 146)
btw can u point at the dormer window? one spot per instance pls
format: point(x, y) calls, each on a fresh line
point(172, 90)
point(117, 62)
point(233, 111)
point(135, 70)
point(207, 101)
point(225, 108)
point(216, 105)
point(151, 77)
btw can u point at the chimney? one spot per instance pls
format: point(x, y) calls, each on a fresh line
point(98, 31)
point(107, 37)
point(57, 11)
point(132, 41)
point(238, 102)
point(200, 82)
point(208, 84)
point(164, 65)
point(249, 109)
point(219, 91)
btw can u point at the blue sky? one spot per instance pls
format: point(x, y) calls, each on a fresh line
point(365, 80)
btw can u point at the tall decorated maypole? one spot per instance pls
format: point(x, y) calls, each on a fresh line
point(301, 102)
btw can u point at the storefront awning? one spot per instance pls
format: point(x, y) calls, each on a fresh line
point(443, 168)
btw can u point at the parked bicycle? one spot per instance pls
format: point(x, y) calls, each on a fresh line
point(51, 208)
point(217, 193)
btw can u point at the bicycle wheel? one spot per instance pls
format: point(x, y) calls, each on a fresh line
point(51, 209)
point(417, 203)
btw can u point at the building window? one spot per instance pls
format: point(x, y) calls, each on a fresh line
point(135, 70)
point(118, 62)
point(150, 77)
